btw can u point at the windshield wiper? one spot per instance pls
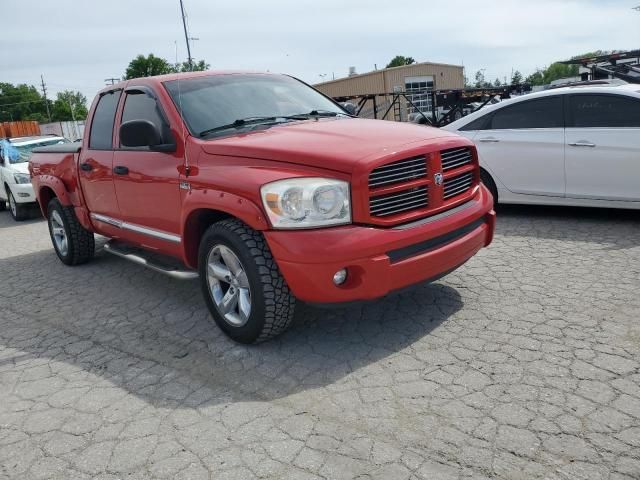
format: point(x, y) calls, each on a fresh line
point(241, 122)
point(317, 113)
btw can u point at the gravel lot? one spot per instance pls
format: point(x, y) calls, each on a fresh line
point(523, 364)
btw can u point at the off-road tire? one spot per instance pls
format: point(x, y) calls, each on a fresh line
point(272, 303)
point(490, 184)
point(80, 241)
point(21, 211)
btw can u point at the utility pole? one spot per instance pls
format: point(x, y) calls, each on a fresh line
point(44, 94)
point(112, 80)
point(186, 36)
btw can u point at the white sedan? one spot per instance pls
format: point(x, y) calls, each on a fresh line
point(577, 146)
point(16, 189)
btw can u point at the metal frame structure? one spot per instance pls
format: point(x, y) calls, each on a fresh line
point(622, 65)
point(455, 100)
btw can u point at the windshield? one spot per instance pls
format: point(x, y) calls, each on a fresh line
point(22, 153)
point(215, 101)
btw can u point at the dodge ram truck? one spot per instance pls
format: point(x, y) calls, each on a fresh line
point(266, 190)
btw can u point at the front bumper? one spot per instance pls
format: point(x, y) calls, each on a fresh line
point(23, 192)
point(380, 260)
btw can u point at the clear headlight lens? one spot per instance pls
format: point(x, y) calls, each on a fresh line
point(22, 178)
point(307, 202)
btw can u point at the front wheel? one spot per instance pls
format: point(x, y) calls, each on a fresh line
point(72, 242)
point(18, 211)
point(245, 292)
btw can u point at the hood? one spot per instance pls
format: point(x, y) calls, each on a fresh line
point(20, 167)
point(335, 144)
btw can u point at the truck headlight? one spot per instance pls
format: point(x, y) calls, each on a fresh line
point(307, 202)
point(22, 178)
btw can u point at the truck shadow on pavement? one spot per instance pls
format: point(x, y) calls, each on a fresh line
point(152, 336)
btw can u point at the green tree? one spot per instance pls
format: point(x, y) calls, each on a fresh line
point(399, 61)
point(480, 80)
point(69, 105)
point(497, 83)
point(148, 66)
point(199, 66)
point(516, 78)
point(21, 102)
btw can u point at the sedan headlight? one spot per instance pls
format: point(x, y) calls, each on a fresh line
point(307, 202)
point(22, 178)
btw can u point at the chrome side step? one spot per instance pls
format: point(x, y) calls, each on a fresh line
point(151, 260)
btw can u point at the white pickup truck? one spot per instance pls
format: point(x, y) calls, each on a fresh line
point(15, 182)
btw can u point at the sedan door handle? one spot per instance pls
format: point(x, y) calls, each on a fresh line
point(120, 170)
point(488, 140)
point(583, 143)
point(87, 167)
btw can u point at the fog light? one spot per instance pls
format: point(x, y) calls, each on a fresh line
point(340, 276)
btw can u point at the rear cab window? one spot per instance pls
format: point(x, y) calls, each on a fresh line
point(101, 136)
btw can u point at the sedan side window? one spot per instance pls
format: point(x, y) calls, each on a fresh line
point(542, 113)
point(604, 111)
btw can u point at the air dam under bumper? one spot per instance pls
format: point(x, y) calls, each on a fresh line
point(380, 260)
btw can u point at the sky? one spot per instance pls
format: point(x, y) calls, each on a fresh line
point(78, 44)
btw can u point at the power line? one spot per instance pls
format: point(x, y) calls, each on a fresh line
point(44, 94)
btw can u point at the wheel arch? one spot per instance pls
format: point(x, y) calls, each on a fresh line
point(45, 195)
point(493, 186)
point(202, 208)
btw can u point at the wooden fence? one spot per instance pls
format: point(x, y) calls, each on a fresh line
point(19, 129)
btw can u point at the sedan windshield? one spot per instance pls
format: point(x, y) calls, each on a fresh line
point(219, 103)
point(22, 153)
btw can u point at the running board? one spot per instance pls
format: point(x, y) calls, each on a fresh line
point(151, 260)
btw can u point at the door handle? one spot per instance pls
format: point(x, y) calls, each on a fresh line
point(87, 167)
point(120, 170)
point(488, 140)
point(583, 143)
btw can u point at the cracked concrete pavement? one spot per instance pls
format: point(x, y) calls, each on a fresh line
point(523, 364)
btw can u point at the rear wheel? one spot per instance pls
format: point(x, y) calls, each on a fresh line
point(490, 184)
point(247, 296)
point(18, 211)
point(72, 242)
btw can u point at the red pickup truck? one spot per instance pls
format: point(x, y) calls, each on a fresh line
point(266, 190)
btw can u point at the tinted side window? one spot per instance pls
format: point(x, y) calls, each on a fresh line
point(542, 113)
point(102, 123)
point(140, 106)
point(481, 123)
point(614, 111)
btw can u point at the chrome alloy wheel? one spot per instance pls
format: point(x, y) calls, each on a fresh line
point(228, 285)
point(58, 233)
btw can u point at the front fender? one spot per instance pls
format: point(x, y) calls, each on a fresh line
point(201, 206)
point(55, 184)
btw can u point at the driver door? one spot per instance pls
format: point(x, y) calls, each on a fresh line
point(147, 182)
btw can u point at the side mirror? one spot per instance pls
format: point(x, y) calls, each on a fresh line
point(350, 108)
point(143, 133)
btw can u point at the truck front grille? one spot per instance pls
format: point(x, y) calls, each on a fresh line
point(457, 185)
point(403, 201)
point(455, 158)
point(398, 172)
